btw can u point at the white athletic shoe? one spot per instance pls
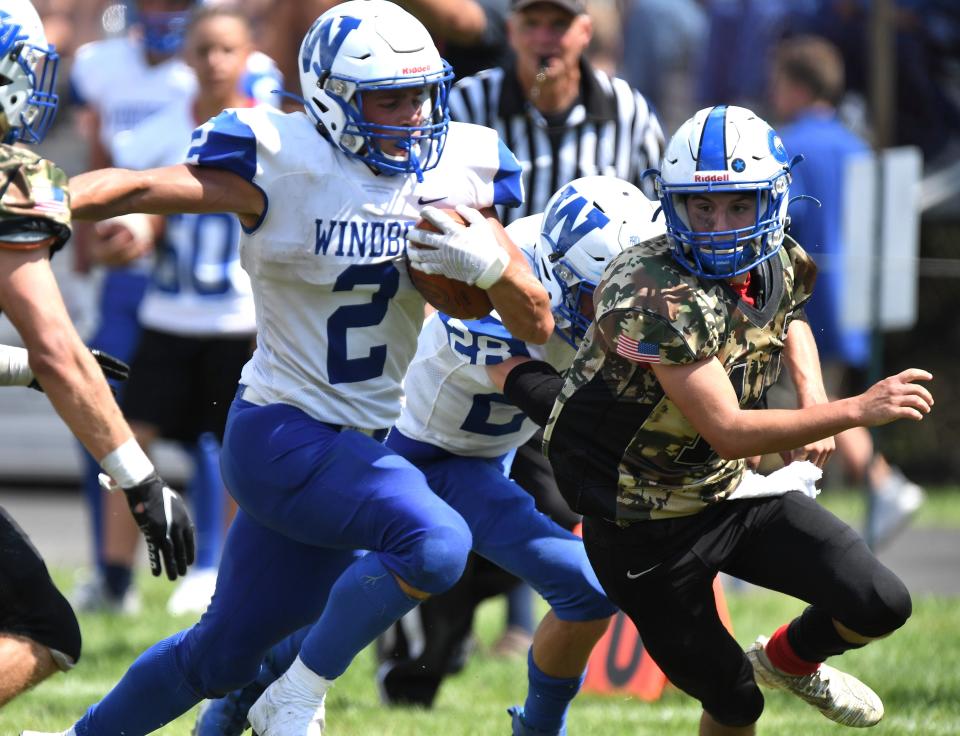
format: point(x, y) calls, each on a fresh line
point(895, 501)
point(68, 732)
point(839, 696)
point(91, 596)
point(193, 593)
point(294, 705)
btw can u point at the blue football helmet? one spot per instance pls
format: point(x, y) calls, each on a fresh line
point(28, 74)
point(725, 149)
point(374, 45)
point(584, 226)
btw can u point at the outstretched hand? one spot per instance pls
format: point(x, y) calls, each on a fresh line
point(896, 397)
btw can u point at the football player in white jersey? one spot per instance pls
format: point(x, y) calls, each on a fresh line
point(197, 314)
point(326, 198)
point(461, 431)
point(121, 83)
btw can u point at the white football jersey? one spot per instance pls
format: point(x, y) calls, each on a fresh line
point(450, 401)
point(113, 77)
point(197, 286)
point(337, 315)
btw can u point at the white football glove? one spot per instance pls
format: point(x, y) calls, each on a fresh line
point(470, 254)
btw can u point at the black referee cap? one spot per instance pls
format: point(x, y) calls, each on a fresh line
point(574, 7)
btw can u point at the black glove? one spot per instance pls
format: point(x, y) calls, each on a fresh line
point(162, 517)
point(112, 368)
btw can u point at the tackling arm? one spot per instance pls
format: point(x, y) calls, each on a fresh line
point(703, 393)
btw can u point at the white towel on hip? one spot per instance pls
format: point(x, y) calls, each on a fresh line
point(797, 476)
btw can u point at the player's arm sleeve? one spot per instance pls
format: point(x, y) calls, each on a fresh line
point(493, 169)
point(646, 325)
point(533, 387)
point(225, 142)
point(498, 344)
point(34, 204)
point(228, 142)
point(804, 270)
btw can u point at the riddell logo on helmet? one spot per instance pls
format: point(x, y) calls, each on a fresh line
point(415, 69)
point(711, 177)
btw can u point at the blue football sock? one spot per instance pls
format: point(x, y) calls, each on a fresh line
point(151, 694)
point(206, 494)
point(548, 698)
point(363, 602)
point(117, 579)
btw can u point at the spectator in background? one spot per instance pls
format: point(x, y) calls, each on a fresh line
point(927, 38)
point(741, 34)
point(197, 316)
point(120, 82)
point(561, 117)
point(662, 44)
point(807, 84)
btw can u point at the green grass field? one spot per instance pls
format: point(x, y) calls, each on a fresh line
point(915, 672)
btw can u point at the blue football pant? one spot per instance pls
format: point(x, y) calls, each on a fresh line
point(309, 497)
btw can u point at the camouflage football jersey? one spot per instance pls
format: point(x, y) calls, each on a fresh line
point(34, 203)
point(622, 449)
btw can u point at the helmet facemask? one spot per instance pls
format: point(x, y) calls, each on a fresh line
point(364, 140)
point(726, 253)
point(28, 75)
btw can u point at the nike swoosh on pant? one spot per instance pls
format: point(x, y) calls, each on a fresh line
point(635, 575)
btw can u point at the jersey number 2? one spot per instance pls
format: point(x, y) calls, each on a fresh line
point(340, 368)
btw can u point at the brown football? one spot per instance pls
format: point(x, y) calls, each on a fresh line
point(452, 297)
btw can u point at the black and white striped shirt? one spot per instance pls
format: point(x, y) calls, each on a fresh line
point(610, 131)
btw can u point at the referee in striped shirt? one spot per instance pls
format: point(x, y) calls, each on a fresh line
point(560, 116)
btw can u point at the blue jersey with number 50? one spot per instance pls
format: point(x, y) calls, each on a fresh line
point(451, 403)
point(337, 315)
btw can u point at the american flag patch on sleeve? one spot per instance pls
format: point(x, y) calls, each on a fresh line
point(638, 352)
point(50, 199)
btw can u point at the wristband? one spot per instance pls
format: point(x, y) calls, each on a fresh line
point(14, 367)
point(128, 465)
point(494, 271)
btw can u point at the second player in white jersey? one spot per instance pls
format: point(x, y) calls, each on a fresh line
point(450, 401)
